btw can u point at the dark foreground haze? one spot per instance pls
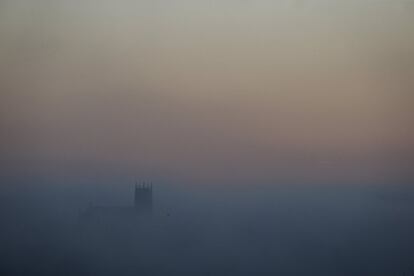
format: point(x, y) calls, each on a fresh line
point(252, 230)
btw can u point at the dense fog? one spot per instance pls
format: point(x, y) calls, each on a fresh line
point(278, 135)
point(261, 229)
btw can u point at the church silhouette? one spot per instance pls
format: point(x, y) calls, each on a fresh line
point(142, 206)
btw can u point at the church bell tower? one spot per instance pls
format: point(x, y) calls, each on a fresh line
point(143, 197)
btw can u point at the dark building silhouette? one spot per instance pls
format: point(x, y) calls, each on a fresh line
point(142, 207)
point(143, 197)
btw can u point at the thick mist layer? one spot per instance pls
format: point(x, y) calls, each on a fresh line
point(264, 230)
point(278, 135)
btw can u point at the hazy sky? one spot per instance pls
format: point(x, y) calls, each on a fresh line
point(208, 90)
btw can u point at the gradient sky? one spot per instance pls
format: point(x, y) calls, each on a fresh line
point(208, 90)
